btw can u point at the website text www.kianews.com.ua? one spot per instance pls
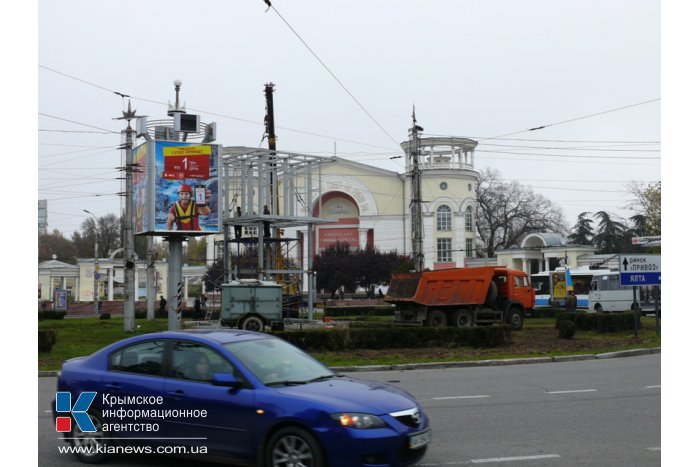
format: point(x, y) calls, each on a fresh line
point(124, 449)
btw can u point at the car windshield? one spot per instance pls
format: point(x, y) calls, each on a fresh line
point(276, 362)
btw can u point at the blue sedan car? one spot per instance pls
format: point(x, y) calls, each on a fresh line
point(234, 395)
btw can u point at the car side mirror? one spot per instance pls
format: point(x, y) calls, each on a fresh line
point(225, 379)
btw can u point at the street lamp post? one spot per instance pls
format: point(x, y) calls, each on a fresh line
point(95, 299)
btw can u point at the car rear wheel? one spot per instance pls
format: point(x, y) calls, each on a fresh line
point(89, 446)
point(252, 323)
point(292, 446)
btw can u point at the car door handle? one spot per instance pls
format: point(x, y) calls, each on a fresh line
point(114, 386)
point(179, 394)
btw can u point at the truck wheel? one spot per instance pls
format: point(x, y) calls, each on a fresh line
point(436, 319)
point(515, 318)
point(252, 323)
point(462, 319)
point(598, 308)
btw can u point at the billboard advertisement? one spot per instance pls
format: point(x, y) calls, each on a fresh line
point(178, 193)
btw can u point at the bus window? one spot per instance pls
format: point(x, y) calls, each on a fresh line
point(540, 284)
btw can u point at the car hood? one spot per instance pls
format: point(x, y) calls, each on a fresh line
point(353, 395)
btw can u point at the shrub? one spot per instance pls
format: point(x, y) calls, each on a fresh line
point(47, 339)
point(140, 314)
point(52, 314)
point(567, 328)
point(105, 316)
point(601, 322)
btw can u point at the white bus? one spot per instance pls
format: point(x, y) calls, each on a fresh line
point(550, 287)
point(608, 295)
point(541, 282)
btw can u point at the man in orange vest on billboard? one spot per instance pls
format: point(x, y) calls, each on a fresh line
point(185, 212)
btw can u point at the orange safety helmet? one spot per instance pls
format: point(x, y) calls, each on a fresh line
point(185, 189)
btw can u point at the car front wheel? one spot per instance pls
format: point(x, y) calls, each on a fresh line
point(293, 447)
point(89, 446)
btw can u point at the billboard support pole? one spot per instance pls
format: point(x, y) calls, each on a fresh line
point(150, 280)
point(174, 280)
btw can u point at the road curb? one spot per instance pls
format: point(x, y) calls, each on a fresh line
point(625, 353)
point(574, 358)
point(475, 363)
point(500, 362)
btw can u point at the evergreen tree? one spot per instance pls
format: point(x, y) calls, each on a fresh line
point(610, 237)
point(582, 232)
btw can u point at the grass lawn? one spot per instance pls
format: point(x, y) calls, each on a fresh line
point(76, 337)
point(83, 336)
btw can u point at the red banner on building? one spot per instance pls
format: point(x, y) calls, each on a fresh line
point(329, 237)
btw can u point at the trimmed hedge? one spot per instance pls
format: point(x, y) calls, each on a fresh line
point(545, 313)
point(52, 314)
point(335, 312)
point(47, 338)
point(335, 340)
point(601, 322)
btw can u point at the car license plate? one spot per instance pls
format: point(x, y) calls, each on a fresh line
point(419, 439)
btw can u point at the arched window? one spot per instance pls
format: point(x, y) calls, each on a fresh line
point(444, 218)
point(469, 219)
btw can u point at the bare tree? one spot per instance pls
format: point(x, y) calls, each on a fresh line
point(510, 211)
point(107, 229)
point(647, 202)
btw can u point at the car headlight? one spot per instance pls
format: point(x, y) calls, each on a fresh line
point(359, 420)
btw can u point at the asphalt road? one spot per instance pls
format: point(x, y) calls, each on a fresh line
point(593, 412)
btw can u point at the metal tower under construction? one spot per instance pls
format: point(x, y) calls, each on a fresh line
point(254, 179)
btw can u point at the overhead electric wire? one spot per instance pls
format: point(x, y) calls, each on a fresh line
point(571, 155)
point(478, 138)
point(597, 148)
point(577, 118)
point(78, 131)
point(78, 157)
point(331, 73)
point(78, 123)
point(216, 114)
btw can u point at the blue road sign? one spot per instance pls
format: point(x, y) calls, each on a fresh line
point(640, 269)
point(640, 278)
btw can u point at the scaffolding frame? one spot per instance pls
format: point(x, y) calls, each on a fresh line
point(252, 178)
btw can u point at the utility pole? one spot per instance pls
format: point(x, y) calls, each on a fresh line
point(416, 198)
point(95, 286)
point(129, 254)
point(272, 145)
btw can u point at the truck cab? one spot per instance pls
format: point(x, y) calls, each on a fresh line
point(515, 285)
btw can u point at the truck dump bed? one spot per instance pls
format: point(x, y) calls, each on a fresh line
point(462, 286)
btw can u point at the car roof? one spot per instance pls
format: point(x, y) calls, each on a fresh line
point(221, 336)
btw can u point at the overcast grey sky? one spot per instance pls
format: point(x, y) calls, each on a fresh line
point(472, 68)
point(477, 69)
